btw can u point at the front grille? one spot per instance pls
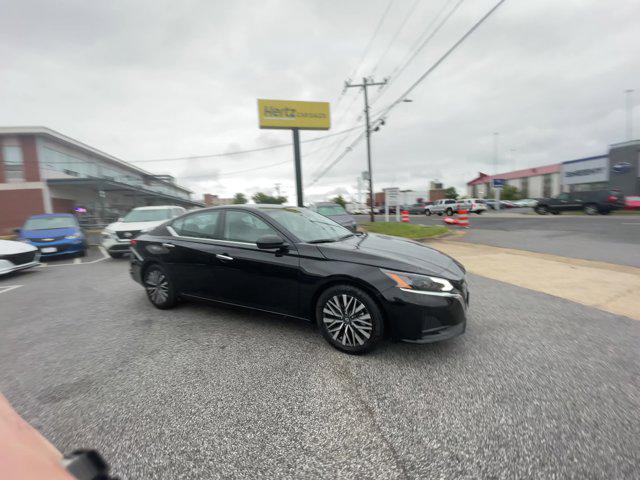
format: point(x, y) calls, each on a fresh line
point(127, 235)
point(47, 239)
point(21, 258)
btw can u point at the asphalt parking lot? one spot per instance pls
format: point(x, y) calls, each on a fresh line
point(538, 387)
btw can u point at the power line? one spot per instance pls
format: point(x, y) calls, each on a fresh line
point(442, 58)
point(388, 109)
point(373, 37)
point(395, 35)
point(241, 152)
point(423, 42)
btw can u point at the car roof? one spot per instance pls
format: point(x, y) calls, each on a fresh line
point(157, 207)
point(249, 206)
point(47, 215)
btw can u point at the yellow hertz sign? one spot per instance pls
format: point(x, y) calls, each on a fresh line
point(292, 114)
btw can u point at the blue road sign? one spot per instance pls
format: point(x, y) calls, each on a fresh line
point(498, 182)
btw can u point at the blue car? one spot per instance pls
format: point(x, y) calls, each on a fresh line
point(54, 234)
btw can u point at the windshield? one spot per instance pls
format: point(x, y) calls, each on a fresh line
point(152, 215)
point(45, 223)
point(307, 225)
point(330, 210)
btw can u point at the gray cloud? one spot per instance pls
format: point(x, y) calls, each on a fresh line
point(161, 79)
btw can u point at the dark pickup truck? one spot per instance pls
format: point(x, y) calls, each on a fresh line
point(592, 203)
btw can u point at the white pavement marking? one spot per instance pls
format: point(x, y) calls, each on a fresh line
point(77, 261)
point(8, 288)
point(629, 223)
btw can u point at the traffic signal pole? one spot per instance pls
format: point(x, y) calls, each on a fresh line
point(364, 85)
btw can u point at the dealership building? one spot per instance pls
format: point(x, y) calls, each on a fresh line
point(618, 169)
point(43, 171)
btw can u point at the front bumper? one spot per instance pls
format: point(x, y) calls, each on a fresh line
point(114, 245)
point(426, 317)
point(8, 267)
point(61, 247)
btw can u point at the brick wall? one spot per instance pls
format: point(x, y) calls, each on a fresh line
point(30, 158)
point(17, 205)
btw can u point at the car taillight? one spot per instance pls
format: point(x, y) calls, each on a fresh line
point(134, 242)
point(612, 198)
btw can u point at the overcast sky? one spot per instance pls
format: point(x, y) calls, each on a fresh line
point(158, 79)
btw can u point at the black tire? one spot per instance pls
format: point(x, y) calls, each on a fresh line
point(591, 209)
point(542, 210)
point(449, 212)
point(82, 253)
point(339, 308)
point(479, 212)
point(116, 254)
point(159, 287)
point(427, 212)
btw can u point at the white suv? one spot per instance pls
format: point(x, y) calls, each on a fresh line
point(117, 236)
point(472, 205)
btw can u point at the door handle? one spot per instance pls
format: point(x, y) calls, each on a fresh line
point(223, 257)
point(169, 245)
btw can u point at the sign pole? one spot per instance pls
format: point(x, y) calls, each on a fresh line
point(298, 165)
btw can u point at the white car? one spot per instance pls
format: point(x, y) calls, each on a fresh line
point(117, 236)
point(17, 256)
point(472, 205)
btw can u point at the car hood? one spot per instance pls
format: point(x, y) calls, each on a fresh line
point(394, 253)
point(127, 226)
point(9, 247)
point(49, 232)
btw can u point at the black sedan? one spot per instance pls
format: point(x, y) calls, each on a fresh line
point(358, 288)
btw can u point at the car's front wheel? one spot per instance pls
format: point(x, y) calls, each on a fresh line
point(591, 209)
point(159, 287)
point(427, 212)
point(449, 212)
point(349, 319)
point(542, 210)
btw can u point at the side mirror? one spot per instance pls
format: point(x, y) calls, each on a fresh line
point(270, 242)
point(16, 230)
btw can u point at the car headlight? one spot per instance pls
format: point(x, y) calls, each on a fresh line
point(108, 233)
point(71, 237)
point(24, 240)
point(414, 281)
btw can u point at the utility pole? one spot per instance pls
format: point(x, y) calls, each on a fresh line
point(496, 191)
point(364, 85)
point(629, 107)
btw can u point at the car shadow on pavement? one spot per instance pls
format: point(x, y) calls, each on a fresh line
point(234, 323)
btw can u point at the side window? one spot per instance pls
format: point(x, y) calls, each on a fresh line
point(563, 196)
point(198, 225)
point(245, 227)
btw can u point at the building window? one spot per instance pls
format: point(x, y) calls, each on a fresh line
point(546, 185)
point(13, 164)
point(524, 187)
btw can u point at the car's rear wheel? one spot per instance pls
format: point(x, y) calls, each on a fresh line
point(449, 212)
point(427, 212)
point(349, 319)
point(159, 287)
point(591, 209)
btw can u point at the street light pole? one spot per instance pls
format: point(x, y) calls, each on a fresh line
point(365, 84)
point(629, 108)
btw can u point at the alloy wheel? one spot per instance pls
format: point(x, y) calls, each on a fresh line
point(347, 320)
point(157, 286)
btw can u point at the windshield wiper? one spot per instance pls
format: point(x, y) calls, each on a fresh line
point(322, 240)
point(349, 235)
